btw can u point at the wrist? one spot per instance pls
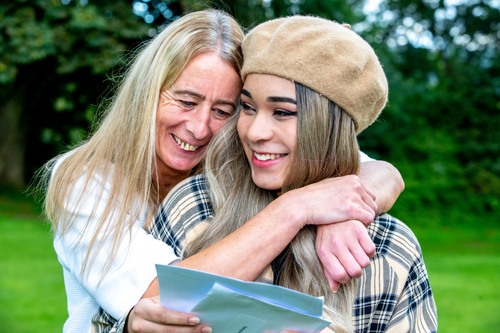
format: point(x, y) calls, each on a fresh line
point(289, 207)
point(125, 325)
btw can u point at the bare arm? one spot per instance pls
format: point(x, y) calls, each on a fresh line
point(338, 199)
point(259, 241)
point(265, 235)
point(384, 181)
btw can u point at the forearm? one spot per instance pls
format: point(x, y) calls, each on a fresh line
point(264, 236)
point(258, 242)
point(384, 181)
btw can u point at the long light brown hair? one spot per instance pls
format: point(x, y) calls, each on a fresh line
point(326, 147)
point(121, 152)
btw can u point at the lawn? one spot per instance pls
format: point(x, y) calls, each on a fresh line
point(32, 295)
point(464, 270)
point(463, 264)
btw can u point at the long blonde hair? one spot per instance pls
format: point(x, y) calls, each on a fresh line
point(326, 147)
point(122, 149)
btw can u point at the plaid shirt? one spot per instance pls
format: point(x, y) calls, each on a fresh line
point(394, 293)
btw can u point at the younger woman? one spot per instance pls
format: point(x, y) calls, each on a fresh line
point(310, 86)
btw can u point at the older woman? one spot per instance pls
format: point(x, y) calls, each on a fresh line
point(102, 195)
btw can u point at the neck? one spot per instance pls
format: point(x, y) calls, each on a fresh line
point(169, 178)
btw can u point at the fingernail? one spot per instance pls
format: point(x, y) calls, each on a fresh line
point(194, 320)
point(334, 289)
point(206, 329)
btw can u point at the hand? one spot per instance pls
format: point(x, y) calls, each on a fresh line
point(344, 249)
point(332, 200)
point(150, 316)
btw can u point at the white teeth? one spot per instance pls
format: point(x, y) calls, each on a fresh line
point(267, 157)
point(184, 145)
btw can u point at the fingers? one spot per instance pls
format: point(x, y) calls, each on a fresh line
point(367, 245)
point(334, 285)
point(344, 250)
point(358, 201)
point(336, 272)
point(366, 201)
point(150, 316)
point(334, 254)
point(359, 259)
point(151, 309)
point(338, 199)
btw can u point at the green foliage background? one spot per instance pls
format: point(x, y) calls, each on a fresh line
point(60, 59)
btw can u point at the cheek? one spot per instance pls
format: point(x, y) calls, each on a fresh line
point(168, 113)
point(216, 125)
point(290, 134)
point(161, 118)
point(293, 142)
point(242, 126)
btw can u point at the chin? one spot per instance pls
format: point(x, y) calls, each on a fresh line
point(267, 186)
point(184, 167)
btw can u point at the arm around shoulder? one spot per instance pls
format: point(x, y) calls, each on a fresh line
point(384, 181)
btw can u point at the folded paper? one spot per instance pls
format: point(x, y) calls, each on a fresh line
point(234, 306)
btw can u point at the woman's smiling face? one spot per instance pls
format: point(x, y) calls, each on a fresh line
point(267, 127)
point(193, 110)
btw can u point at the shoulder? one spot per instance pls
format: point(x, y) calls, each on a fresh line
point(186, 206)
point(394, 293)
point(393, 237)
point(397, 247)
point(192, 193)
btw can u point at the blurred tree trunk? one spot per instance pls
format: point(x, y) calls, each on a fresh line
point(12, 143)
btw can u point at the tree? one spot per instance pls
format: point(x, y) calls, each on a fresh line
point(56, 58)
point(251, 12)
point(441, 58)
point(441, 123)
point(53, 60)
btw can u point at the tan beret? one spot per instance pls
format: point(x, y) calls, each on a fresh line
point(324, 56)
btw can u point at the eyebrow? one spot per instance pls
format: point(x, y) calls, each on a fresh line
point(281, 99)
point(200, 96)
point(246, 93)
point(271, 98)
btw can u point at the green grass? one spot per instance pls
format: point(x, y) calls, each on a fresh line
point(32, 297)
point(463, 264)
point(464, 270)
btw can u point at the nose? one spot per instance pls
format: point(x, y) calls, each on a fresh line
point(260, 128)
point(199, 123)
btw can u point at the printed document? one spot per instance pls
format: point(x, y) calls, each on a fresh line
point(235, 306)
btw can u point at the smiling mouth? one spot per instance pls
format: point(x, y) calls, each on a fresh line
point(184, 145)
point(267, 157)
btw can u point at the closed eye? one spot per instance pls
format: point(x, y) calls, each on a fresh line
point(221, 114)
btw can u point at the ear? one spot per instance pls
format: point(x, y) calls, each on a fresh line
point(346, 25)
